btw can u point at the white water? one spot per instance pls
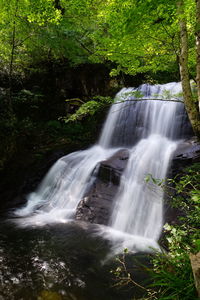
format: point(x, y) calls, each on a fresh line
point(63, 188)
point(138, 208)
point(151, 132)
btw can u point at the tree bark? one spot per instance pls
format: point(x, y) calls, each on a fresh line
point(198, 49)
point(12, 58)
point(190, 104)
point(195, 263)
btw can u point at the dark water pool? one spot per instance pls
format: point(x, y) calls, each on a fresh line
point(62, 261)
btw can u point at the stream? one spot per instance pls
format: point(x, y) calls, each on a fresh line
point(46, 254)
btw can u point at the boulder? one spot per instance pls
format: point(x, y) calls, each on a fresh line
point(96, 205)
point(187, 153)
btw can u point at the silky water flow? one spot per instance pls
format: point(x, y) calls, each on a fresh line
point(150, 128)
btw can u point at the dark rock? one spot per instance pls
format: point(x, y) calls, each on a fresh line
point(22, 175)
point(96, 205)
point(187, 153)
point(110, 170)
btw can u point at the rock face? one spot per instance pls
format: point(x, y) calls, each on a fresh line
point(96, 205)
point(187, 153)
point(23, 175)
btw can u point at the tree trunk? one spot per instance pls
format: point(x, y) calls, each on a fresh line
point(198, 49)
point(190, 104)
point(12, 58)
point(195, 263)
point(11, 69)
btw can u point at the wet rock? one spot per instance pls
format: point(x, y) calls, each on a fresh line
point(96, 205)
point(22, 176)
point(187, 153)
point(111, 170)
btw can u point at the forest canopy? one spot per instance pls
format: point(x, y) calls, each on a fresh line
point(137, 35)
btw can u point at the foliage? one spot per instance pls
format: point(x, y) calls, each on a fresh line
point(7, 131)
point(132, 38)
point(172, 271)
point(98, 103)
point(137, 36)
point(21, 24)
point(142, 36)
point(89, 108)
point(125, 277)
point(43, 30)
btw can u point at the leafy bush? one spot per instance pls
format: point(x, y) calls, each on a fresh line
point(89, 108)
point(172, 272)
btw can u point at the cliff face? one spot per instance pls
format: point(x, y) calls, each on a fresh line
point(187, 154)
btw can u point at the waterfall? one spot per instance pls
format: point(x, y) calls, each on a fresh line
point(138, 208)
point(63, 187)
point(150, 130)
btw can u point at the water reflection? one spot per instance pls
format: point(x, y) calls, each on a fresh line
point(54, 262)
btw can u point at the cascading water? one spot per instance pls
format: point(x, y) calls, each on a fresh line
point(138, 208)
point(151, 131)
point(63, 188)
point(139, 205)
